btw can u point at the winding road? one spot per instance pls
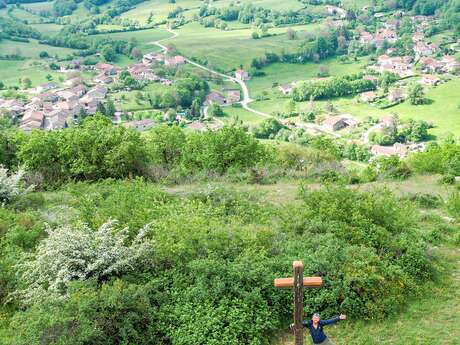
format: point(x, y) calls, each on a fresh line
point(246, 98)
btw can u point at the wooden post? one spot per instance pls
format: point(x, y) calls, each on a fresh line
point(297, 283)
point(298, 302)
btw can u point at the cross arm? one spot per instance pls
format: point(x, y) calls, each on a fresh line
point(311, 282)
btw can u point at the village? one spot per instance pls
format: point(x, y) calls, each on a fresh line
point(427, 66)
point(51, 106)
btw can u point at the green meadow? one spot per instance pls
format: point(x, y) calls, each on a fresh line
point(443, 111)
point(233, 114)
point(48, 28)
point(159, 9)
point(282, 73)
point(31, 49)
point(26, 16)
point(227, 50)
point(40, 6)
point(143, 37)
point(36, 71)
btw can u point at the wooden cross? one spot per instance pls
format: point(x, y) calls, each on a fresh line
point(298, 283)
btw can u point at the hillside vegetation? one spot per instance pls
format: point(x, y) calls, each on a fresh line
point(126, 260)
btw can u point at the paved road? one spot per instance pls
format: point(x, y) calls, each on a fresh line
point(246, 97)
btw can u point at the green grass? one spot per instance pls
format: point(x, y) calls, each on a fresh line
point(247, 117)
point(285, 73)
point(228, 49)
point(160, 9)
point(24, 15)
point(11, 71)
point(40, 6)
point(143, 37)
point(443, 112)
point(31, 49)
point(284, 5)
point(48, 29)
point(108, 27)
point(355, 4)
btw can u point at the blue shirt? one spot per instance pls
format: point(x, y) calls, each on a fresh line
point(317, 334)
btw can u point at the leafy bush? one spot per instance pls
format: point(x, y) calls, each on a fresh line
point(92, 151)
point(268, 129)
point(230, 147)
point(392, 167)
point(426, 200)
point(438, 159)
point(117, 313)
point(209, 278)
point(11, 186)
point(69, 254)
point(453, 204)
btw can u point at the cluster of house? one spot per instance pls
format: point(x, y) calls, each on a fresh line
point(172, 61)
point(399, 65)
point(394, 95)
point(227, 97)
point(109, 74)
point(338, 122)
point(397, 149)
point(447, 64)
point(336, 11)
point(242, 75)
point(378, 38)
point(423, 49)
point(55, 108)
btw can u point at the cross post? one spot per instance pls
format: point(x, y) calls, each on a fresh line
point(297, 283)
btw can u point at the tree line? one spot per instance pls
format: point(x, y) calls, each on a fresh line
point(333, 87)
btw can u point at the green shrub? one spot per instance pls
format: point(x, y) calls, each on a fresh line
point(447, 179)
point(215, 255)
point(453, 204)
point(425, 200)
point(230, 147)
point(92, 151)
point(457, 238)
point(392, 167)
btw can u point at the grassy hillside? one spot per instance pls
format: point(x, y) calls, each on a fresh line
point(48, 29)
point(31, 49)
point(443, 110)
point(229, 49)
point(161, 8)
point(143, 37)
point(286, 73)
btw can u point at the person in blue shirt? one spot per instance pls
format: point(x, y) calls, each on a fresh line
point(315, 326)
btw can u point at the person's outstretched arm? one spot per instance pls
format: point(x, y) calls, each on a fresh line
point(333, 320)
point(306, 323)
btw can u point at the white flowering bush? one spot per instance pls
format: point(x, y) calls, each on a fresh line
point(11, 185)
point(70, 254)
